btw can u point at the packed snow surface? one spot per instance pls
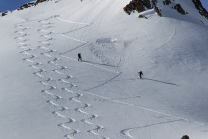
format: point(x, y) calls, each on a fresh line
point(46, 93)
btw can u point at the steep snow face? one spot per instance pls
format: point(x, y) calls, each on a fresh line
point(188, 6)
point(47, 93)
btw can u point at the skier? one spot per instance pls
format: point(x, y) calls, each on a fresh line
point(140, 74)
point(79, 57)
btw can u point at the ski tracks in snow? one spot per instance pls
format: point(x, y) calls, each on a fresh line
point(35, 57)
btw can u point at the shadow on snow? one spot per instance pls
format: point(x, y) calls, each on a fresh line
point(160, 81)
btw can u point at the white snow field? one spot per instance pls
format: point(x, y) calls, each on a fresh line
point(46, 93)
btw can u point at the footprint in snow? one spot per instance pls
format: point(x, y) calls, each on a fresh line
point(30, 49)
point(63, 81)
point(34, 67)
point(73, 133)
point(32, 57)
point(46, 55)
point(67, 90)
point(37, 64)
point(43, 47)
point(38, 74)
point(24, 34)
point(23, 41)
point(46, 43)
point(47, 27)
point(58, 72)
point(19, 38)
point(28, 60)
point(68, 77)
point(20, 32)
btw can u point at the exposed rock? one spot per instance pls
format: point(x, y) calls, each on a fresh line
point(141, 16)
point(166, 2)
point(39, 1)
point(154, 2)
point(201, 9)
point(158, 11)
point(138, 5)
point(4, 13)
point(179, 9)
point(26, 6)
point(185, 137)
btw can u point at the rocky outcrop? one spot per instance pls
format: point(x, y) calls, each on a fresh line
point(30, 4)
point(179, 9)
point(167, 2)
point(40, 1)
point(158, 11)
point(201, 9)
point(185, 137)
point(138, 5)
point(4, 13)
point(26, 6)
point(141, 5)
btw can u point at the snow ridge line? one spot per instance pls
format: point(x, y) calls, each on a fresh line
point(147, 109)
point(91, 64)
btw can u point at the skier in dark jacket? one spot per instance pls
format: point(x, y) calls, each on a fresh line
point(79, 57)
point(140, 74)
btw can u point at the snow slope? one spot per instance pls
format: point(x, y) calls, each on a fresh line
point(46, 93)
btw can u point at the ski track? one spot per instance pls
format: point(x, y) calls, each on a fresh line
point(92, 65)
point(72, 22)
point(31, 59)
point(72, 38)
point(127, 132)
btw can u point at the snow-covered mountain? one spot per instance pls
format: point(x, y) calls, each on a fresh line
point(46, 93)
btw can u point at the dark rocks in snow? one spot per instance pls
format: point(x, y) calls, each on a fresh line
point(185, 137)
point(4, 13)
point(166, 2)
point(147, 4)
point(154, 2)
point(40, 1)
point(158, 11)
point(141, 16)
point(179, 9)
point(138, 5)
point(31, 4)
point(26, 6)
point(201, 9)
point(142, 5)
